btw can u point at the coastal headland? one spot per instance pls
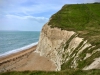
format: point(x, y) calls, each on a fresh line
point(68, 44)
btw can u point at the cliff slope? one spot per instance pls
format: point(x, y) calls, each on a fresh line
point(71, 38)
point(68, 42)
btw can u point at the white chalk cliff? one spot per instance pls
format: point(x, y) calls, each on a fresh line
point(62, 46)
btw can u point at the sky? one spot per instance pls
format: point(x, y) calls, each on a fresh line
point(30, 15)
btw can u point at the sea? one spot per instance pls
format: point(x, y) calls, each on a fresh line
point(15, 41)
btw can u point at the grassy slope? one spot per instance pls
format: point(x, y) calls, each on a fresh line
point(82, 18)
point(65, 72)
point(85, 20)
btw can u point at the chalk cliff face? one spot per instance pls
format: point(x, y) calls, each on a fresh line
point(62, 46)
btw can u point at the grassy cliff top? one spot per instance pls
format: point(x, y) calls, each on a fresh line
point(81, 18)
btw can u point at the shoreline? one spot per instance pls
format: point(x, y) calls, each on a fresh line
point(18, 49)
point(25, 60)
point(16, 55)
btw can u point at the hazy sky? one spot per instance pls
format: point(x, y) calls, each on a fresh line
point(30, 15)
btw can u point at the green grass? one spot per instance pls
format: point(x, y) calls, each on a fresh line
point(84, 19)
point(64, 72)
point(81, 18)
point(89, 60)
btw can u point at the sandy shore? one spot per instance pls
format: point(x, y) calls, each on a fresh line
point(26, 60)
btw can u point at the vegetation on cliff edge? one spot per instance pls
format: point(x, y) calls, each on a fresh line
point(81, 18)
point(65, 72)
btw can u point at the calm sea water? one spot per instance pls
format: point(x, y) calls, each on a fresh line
point(11, 41)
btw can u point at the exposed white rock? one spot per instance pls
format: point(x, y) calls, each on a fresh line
point(94, 65)
point(87, 55)
point(51, 43)
point(62, 45)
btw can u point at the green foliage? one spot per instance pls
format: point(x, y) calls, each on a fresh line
point(85, 20)
point(65, 72)
point(67, 43)
point(89, 60)
point(82, 18)
point(67, 65)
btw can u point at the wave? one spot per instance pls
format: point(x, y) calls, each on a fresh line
point(18, 50)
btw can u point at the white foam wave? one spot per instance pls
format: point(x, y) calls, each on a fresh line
point(18, 50)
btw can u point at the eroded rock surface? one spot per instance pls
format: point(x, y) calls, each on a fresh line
point(62, 46)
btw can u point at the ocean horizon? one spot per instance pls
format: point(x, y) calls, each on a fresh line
point(15, 41)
